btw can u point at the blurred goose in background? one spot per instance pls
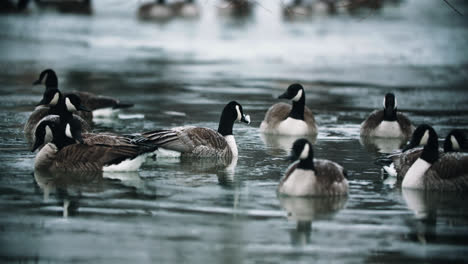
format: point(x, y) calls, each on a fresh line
point(96, 103)
point(297, 9)
point(54, 105)
point(387, 123)
point(156, 10)
point(235, 7)
point(282, 119)
point(309, 177)
point(435, 171)
point(186, 9)
point(9, 6)
point(95, 152)
point(67, 6)
point(201, 142)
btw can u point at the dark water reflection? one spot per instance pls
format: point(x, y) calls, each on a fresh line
point(183, 72)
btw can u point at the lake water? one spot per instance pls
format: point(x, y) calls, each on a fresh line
point(183, 72)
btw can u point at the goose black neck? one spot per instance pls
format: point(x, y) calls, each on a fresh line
point(297, 111)
point(431, 149)
point(226, 122)
point(306, 164)
point(390, 114)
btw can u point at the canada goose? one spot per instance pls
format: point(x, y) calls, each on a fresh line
point(186, 9)
point(402, 162)
point(433, 171)
point(68, 6)
point(455, 141)
point(91, 101)
point(387, 123)
point(297, 9)
point(309, 177)
point(282, 119)
point(54, 103)
point(9, 6)
point(201, 142)
point(95, 152)
point(157, 10)
point(235, 8)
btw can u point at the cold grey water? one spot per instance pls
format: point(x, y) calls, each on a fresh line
point(183, 72)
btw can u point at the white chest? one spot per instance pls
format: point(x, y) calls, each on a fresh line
point(294, 127)
point(231, 141)
point(388, 129)
point(414, 178)
point(299, 183)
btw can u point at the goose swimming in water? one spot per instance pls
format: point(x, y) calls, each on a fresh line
point(95, 103)
point(54, 103)
point(437, 172)
point(403, 161)
point(95, 152)
point(202, 142)
point(312, 177)
point(284, 119)
point(387, 123)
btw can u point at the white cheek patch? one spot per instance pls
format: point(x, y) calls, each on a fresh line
point(455, 144)
point(70, 106)
point(384, 100)
point(298, 96)
point(396, 103)
point(68, 131)
point(54, 100)
point(424, 138)
point(239, 115)
point(49, 136)
point(305, 152)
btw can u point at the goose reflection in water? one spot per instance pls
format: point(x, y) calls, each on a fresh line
point(427, 207)
point(382, 145)
point(304, 210)
point(68, 187)
point(278, 144)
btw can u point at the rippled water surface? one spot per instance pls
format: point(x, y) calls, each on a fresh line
point(183, 72)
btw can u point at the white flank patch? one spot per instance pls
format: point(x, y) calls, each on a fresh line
point(293, 127)
point(414, 178)
point(166, 153)
point(239, 115)
point(68, 132)
point(305, 152)
point(55, 99)
point(232, 144)
point(424, 139)
point(299, 183)
point(158, 11)
point(455, 144)
point(127, 165)
point(131, 116)
point(70, 106)
point(388, 129)
point(105, 112)
point(49, 136)
point(391, 170)
point(298, 96)
point(189, 11)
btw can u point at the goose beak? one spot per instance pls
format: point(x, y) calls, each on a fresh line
point(284, 96)
point(245, 119)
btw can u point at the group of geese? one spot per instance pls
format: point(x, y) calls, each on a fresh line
point(59, 128)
